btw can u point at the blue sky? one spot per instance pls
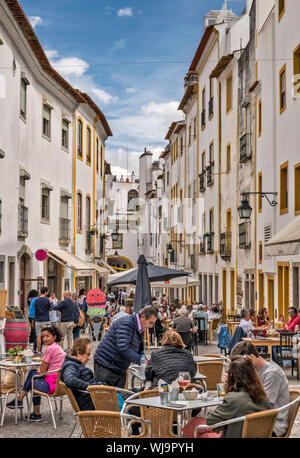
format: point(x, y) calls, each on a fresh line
point(131, 56)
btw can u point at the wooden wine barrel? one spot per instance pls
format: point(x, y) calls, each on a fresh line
point(16, 332)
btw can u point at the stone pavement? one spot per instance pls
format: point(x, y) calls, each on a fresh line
point(45, 429)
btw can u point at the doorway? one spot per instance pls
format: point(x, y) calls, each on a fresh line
point(270, 281)
point(25, 273)
point(283, 280)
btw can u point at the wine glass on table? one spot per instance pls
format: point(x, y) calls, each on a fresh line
point(184, 379)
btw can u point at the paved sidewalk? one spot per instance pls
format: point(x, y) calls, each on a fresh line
point(45, 429)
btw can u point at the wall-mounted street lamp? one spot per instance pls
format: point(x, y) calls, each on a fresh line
point(115, 236)
point(245, 210)
point(116, 254)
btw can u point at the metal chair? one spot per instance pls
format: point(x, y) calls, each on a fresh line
point(59, 392)
point(285, 351)
point(103, 424)
point(255, 425)
point(187, 339)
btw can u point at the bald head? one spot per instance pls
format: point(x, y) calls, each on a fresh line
point(67, 294)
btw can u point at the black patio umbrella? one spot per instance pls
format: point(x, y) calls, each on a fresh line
point(155, 273)
point(142, 295)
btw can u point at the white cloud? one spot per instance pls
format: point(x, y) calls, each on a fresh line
point(35, 20)
point(165, 109)
point(51, 53)
point(123, 12)
point(118, 171)
point(130, 90)
point(71, 66)
point(103, 96)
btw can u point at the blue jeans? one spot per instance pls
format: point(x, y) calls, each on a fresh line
point(76, 333)
point(40, 384)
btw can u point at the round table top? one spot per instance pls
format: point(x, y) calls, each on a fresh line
point(22, 364)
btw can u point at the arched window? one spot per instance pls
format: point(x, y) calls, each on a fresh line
point(132, 199)
point(88, 145)
point(79, 148)
point(88, 213)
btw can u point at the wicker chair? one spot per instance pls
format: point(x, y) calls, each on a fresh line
point(73, 403)
point(161, 419)
point(59, 392)
point(255, 425)
point(293, 410)
point(213, 370)
point(105, 398)
point(101, 424)
point(213, 355)
point(5, 390)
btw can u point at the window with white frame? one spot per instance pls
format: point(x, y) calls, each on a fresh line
point(65, 133)
point(45, 204)
point(46, 121)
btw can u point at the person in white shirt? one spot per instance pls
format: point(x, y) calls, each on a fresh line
point(53, 315)
point(194, 311)
point(246, 323)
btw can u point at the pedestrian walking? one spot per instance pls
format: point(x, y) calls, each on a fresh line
point(33, 294)
point(53, 313)
point(79, 318)
point(42, 307)
point(67, 319)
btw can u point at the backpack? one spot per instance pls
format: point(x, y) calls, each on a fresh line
point(81, 320)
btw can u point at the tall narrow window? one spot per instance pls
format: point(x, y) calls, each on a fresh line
point(203, 121)
point(88, 145)
point(23, 98)
point(297, 71)
point(229, 93)
point(97, 155)
point(181, 146)
point(46, 121)
point(195, 129)
point(228, 157)
point(284, 188)
point(281, 8)
point(190, 135)
point(101, 162)
point(260, 252)
point(211, 98)
point(45, 205)
point(259, 118)
point(65, 134)
point(282, 89)
point(203, 161)
point(297, 189)
point(79, 139)
point(79, 211)
point(260, 190)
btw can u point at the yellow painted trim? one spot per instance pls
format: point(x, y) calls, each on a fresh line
point(229, 107)
point(259, 176)
point(261, 288)
point(296, 71)
point(296, 166)
point(79, 118)
point(281, 71)
point(260, 252)
point(255, 203)
point(232, 289)
point(219, 160)
point(259, 118)
point(228, 168)
point(124, 259)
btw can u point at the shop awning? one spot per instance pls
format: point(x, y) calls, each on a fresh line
point(286, 242)
point(100, 270)
point(180, 282)
point(107, 266)
point(81, 268)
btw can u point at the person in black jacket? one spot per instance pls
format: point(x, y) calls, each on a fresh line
point(169, 360)
point(122, 345)
point(78, 377)
point(68, 318)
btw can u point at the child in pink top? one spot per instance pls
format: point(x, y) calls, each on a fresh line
point(53, 359)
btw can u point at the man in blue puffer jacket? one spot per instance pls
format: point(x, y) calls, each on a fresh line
point(122, 345)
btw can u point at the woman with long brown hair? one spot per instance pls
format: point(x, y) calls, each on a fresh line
point(262, 318)
point(244, 395)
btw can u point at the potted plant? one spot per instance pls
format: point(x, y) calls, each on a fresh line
point(15, 353)
point(93, 231)
point(104, 236)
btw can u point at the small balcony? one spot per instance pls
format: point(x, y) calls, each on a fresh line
point(245, 152)
point(23, 221)
point(211, 107)
point(64, 231)
point(202, 182)
point(225, 245)
point(244, 235)
point(210, 174)
point(203, 119)
point(88, 242)
point(210, 242)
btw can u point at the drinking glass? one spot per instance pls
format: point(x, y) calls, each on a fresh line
point(221, 390)
point(184, 379)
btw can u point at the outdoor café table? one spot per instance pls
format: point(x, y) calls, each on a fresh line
point(231, 325)
point(268, 342)
point(203, 358)
point(181, 410)
point(17, 367)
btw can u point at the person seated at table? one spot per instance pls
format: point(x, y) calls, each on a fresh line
point(78, 377)
point(53, 359)
point(244, 394)
point(172, 358)
point(214, 313)
point(262, 318)
point(172, 311)
point(184, 326)
point(274, 381)
point(253, 317)
point(294, 320)
point(246, 323)
point(194, 311)
point(201, 314)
